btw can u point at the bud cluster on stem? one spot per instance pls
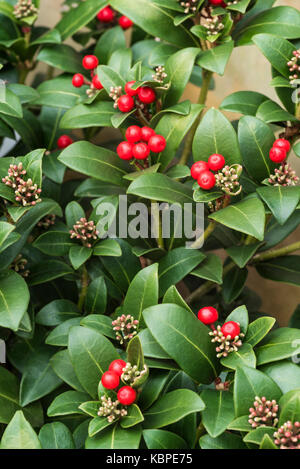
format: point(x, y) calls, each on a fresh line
point(263, 413)
point(125, 327)
point(85, 231)
point(26, 192)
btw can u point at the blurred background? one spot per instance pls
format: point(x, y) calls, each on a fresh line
point(247, 70)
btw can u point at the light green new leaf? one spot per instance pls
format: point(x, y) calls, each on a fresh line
point(19, 434)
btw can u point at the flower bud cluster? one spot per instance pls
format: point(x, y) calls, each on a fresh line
point(190, 6)
point(110, 409)
point(160, 75)
point(125, 327)
point(263, 413)
point(115, 93)
point(294, 66)
point(288, 436)
point(131, 373)
point(19, 266)
point(213, 25)
point(284, 176)
point(26, 192)
point(46, 222)
point(226, 344)
point(24, 8)
point(228, 179)
point(85, 231)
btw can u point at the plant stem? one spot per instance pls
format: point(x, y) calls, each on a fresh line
point(84, 287)
point(272, 254)
point(201, 100)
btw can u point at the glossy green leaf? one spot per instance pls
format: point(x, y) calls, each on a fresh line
point(134, 417)
point(162, 439)
point(19, 434)
point(225, 441)
point(244, 102)
point(116, 437)
point(61, 56)
point(279, 344)
point(258, 329)
point(216, 59)
point(62, 366)
point(12, 306)
point(56, 435)
point(245, 356)
point(60, 334)
point(284, 373)
point(109, 41)
point(218, 412)
point(67, 403)
point(54, 243)
point(283, 269)
point(282, 201)
point(59, 93)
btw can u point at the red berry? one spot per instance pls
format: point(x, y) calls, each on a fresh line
point(208, 315)
point(117, 366)
point(133, 134)
point(282, 143)
point(220, 3)
point(97, 83)
point(78, 80)
point(90, 62)
point(141, 151)
point(147, 133)
point(106, 15)
point(125, 103)
point(216, 162)
point(157, 143)
point(129, 90)
point(126, 395)
point(277, 155)
point(198, 168)
point(231, 328)
point(64, 141)
point(110, 380)
point(124, 150)
point(125, 22)
point(146, 94)
point(206, 180)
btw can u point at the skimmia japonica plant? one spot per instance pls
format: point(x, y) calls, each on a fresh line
point(138, 339)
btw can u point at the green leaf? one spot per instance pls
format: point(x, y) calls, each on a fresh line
point(218, 412)
point(277, 50)
point(100, 323)
point(79, 255)
point(45, 272)
point(245, 356)
point(78, 17)
point(54, 243)
point(60, 334)
point(160, 187)
point(248, 384)
point(19, 434)
point(62, 366)
point(247, 217)
point(256, 436)
point(120, 61)
point(173, 406)
point(109, 78)
point(97, 424)
point(108, 247)
point(59, 93)
point(240, 315)
point(241, 424)
point(56, 435)
point(256, 139)
point(210, 269)
point(215, 134)
point(282, 201)
point(241, 255)
point(225, 441)
point(284, 373)
point(91, 353)
point(133, 417)
point(279, 344)
point(94, 161)
point(96, 298)
point(5, 230)
point(56, 312)
point(67, 403)
point(258, 329)
point(267, 443)
point(155, 20)
point(290, 407)
point(216, 59)
point(283, 269)
point(109, 41)
point(12, 306)
point(172, 295)
point(162, 439)
point(244, 102)
point(10, 104)
point(270, 112)
point(174, 127)
point(185, 339)
point(116, 437)
point(151, 348)
point(90, 407)
point(92, 115)
point(176, 265)
point(61, 56)
point(281, 21)
point(233, 284)
point(52, 168)
point(25, 93)
point(178, 68)
point(142, 292)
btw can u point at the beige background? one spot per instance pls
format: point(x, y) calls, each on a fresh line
point(247, 70)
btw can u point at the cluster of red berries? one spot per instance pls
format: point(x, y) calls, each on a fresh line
point(111, 380)
point(209, 315)
point(139, 142)
point(108, 15)
point(202, 171)
point(89, 62)
point(126, 103)
point(64, 141)
point(278, 152)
